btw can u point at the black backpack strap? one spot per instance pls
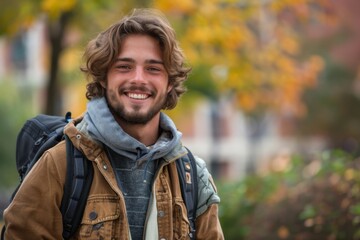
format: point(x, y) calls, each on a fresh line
point(188, 181)
point(79, 175)
point(3, 232)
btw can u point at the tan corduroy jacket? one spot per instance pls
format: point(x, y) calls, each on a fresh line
point(35, 213)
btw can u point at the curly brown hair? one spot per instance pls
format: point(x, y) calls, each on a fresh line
point(102, 51)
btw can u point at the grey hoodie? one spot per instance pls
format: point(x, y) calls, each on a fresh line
point(101, 126)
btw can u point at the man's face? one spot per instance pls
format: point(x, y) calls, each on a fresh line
point(137, 83)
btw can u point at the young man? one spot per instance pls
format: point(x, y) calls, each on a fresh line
point(136, 69)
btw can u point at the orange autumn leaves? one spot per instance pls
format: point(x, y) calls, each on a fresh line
point(252, 48)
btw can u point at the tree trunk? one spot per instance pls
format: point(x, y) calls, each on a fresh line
point(56, 35)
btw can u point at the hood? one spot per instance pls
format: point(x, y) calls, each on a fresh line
point(100, 125)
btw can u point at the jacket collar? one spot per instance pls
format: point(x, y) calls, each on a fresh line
point(77, 133)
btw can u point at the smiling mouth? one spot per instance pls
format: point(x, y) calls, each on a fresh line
point(138, 96)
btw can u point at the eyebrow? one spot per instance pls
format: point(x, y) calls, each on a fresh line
point(152, 61)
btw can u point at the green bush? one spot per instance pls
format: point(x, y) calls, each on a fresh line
point(311, 199)
point(15, 107)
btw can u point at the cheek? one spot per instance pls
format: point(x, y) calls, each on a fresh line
point(111, 79)
point(111, 94)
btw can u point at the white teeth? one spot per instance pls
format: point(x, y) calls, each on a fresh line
point(137, 95)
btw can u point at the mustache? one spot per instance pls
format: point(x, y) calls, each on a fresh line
point(140, 88)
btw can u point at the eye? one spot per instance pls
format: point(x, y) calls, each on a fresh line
point(123, 67)
point(154, 69)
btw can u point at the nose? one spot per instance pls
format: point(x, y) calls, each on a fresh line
point(139, 75)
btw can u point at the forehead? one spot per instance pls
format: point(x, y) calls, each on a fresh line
point(140, 46)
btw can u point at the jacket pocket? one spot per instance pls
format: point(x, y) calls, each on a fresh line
point(101, 218)
point(181, 222)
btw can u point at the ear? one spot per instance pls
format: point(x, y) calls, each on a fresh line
point(169, 88)
point(103, 84)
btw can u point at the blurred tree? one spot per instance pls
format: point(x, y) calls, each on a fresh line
point(332, 105)
point(61, 17)
point(249, 48)
point(332, 109)
point(252, 52)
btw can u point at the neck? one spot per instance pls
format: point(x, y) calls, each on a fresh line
point(147, 133)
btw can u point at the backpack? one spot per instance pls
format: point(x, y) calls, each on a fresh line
point(44, 131)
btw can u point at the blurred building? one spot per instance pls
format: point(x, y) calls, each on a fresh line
point(22, 56)
point(234, 145)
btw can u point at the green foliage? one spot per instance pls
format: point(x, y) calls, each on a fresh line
point(201, 81)
point(14, 109)
point(331, 106)
point(309, 211)
point(312, 198)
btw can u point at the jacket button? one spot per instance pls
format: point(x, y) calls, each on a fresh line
point(161, 213)
point(93, 215)
point(105, 167)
